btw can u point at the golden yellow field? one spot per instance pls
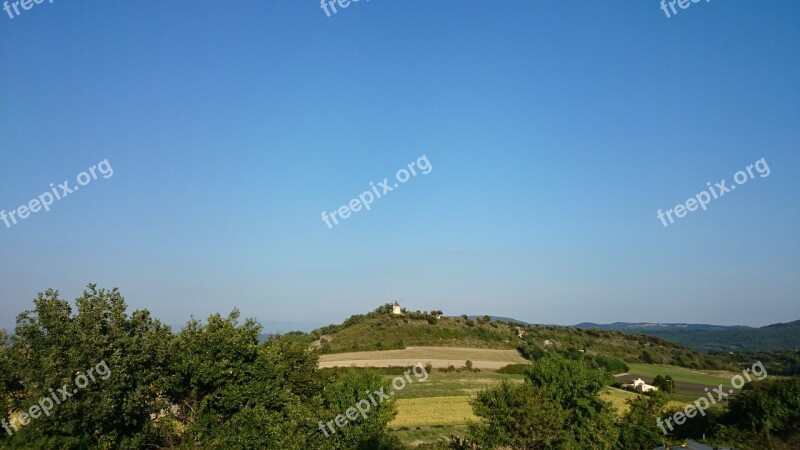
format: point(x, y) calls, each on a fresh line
point(423, 412)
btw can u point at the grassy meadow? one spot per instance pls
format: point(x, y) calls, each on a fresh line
point(682, 374)
point(454, 384)
point(416, 436)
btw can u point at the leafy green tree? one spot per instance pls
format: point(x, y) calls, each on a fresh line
point(767, 408)
point(664, 383)
point(231, 392)
point(559, 402)
point(638, 428)
point(9, 382)
point(575, 387)
point(356, 391)
point(51, 347)
point(517, 416)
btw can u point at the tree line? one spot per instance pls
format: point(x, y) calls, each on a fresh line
point(216, 385)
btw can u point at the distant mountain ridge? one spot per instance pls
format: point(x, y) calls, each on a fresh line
point(779, 336)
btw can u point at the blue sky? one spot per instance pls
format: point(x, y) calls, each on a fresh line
point(555, 130)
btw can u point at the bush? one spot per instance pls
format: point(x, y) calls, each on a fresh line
point(664, 383)
point(515, 369)
point(531, 351)
point(449, 369)
point(612, 365)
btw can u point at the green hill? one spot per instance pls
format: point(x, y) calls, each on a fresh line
point(382, 330)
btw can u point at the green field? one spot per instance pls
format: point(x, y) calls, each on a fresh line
point(441, 384)
point(415, 436)
point(698, 379)
point(704, 377)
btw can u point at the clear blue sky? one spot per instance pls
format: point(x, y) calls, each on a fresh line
point(555, 130)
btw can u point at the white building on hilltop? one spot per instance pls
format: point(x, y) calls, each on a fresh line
point(396, 309)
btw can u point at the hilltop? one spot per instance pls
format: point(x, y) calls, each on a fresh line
point(381, 329)
point(779, 336)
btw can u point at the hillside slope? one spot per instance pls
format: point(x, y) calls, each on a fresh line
point(381, 330)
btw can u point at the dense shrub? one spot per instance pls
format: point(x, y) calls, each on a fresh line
point(514, 369)
point(612, 365)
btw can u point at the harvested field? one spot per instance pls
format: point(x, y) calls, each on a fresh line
point(438, 357)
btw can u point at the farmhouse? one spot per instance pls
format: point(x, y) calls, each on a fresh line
point(639, 385)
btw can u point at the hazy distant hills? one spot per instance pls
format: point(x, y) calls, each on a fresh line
point(779, 336)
